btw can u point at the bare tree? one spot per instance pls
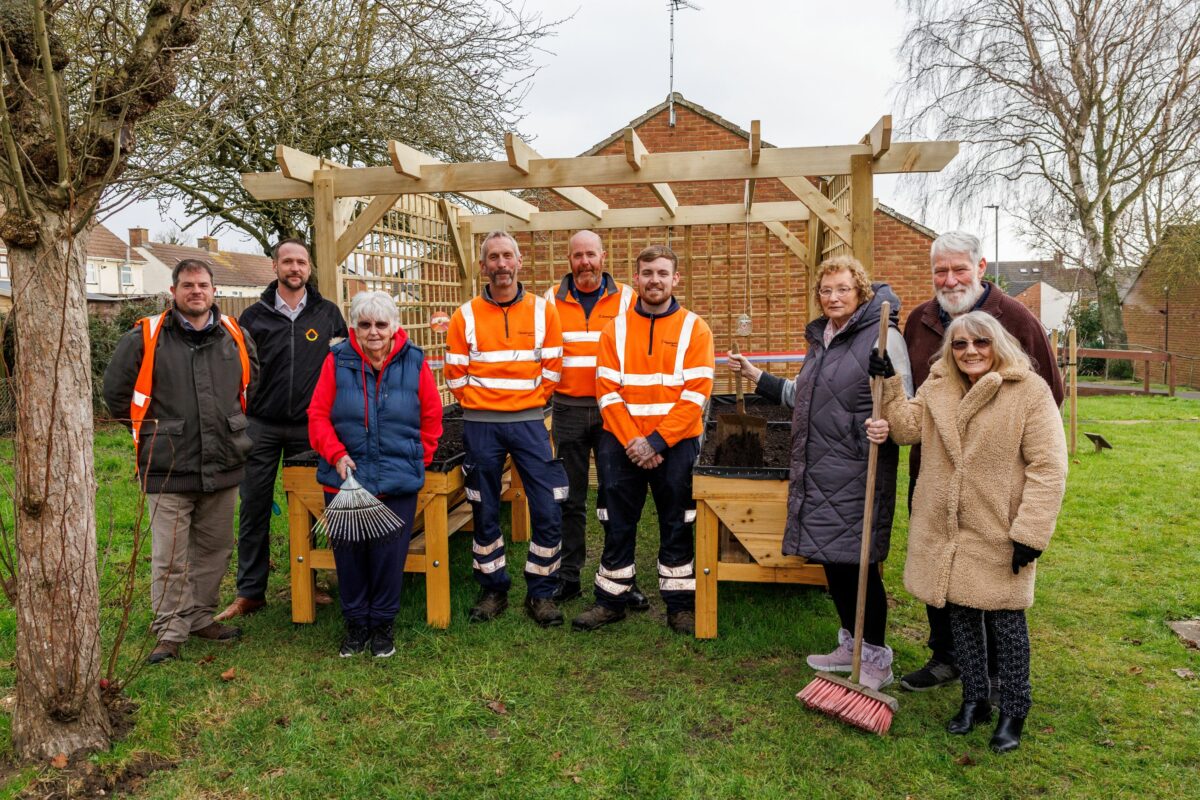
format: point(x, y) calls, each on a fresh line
point(337, 79)
point(1083, 115)
point(77, 79)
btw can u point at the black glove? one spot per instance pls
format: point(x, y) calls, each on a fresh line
point(1023, 556)
point(880, 366)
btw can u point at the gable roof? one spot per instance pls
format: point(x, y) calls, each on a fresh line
point(105, 244)
point(229, 268)
point(681, 101)
point(1020, 275)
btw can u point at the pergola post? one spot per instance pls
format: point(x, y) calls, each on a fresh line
point(325, 236)
point(862, 211)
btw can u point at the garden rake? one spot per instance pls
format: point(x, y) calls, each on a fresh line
point(355, 516)
point(833, 695)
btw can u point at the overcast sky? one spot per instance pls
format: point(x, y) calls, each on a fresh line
point(814, 73)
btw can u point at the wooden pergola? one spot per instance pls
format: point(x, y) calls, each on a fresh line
point(845, 215)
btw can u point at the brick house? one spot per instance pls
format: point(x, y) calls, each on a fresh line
point(727, 269)
point(235, 274)
point(1161, 310)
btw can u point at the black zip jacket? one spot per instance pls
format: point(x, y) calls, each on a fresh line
point(291, 354)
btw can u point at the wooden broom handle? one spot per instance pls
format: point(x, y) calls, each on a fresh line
point(864, 556)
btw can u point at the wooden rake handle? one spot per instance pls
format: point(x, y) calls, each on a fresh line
point(864, 556)
point(740, 407)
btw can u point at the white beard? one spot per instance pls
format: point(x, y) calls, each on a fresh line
point(956, 302)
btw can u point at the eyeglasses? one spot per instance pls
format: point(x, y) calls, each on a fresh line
point(961, 344)
point(840, 291)
point(366, 325)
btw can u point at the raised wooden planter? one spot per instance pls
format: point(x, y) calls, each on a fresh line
point(740, 517)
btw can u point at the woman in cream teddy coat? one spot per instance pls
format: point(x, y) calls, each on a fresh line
point(993, 473)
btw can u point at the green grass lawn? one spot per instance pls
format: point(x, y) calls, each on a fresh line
point(636, 711)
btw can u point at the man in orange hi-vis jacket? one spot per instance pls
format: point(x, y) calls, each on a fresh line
point(503, 360)
point(654, 375)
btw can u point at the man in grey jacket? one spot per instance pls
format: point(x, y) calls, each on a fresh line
point(185, 406)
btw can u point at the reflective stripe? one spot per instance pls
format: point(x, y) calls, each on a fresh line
point(139, 398)
point(608, 373)
point(468, 313)
point(602, 514)
point(552, 352)
point(693, 373)
point(504, 356)
point(610, 586)
point(562, 492)
point(624, 573)
point(539, 322)
point(487, 549)
point(683, 571)
point(551, 375)
point(544, 552)
point(649, 409)
point(650, 379)
point(610, 398)
point(456, 383)
point(155, 321)
point(517, 384)
point(571, 337)
point(626, 300)
point(620, 328)
point(458, 359)
point(689, 515)
point(578, 361)
point(474, 496)
point(677, 584)
point(538, 569)
point(685, 341)
point(488, 567)
point(694, 397)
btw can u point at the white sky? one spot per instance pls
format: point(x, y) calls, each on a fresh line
point(814, 73)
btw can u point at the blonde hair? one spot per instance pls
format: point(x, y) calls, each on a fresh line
point(858, 274)
point(1006, 350)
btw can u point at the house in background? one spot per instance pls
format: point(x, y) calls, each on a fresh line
point(235, 274)
point(1047, 288)
point(1161, 310)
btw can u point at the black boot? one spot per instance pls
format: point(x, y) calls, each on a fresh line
point(1008, 733)
point(969, 715)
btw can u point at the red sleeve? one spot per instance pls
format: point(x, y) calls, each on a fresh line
point(320, 430)
point(431, 412)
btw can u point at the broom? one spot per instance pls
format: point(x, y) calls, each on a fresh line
point(355, 515)
point(834, 695)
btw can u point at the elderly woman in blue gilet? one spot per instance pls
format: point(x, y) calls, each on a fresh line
point(376, 411)
point(831, 398)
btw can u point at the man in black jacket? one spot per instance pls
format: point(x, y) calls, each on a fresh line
point(292, 326)
point(180, 380)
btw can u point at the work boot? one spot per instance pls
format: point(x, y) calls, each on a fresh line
point(876, 670)
point(382, 644)
point(163, 651)
point(566, 590)
point(490, 605)
point(636, 600)
point(355, 641)
point(932, 675)
point(840, 660)
point(682, 622)
point(543, 611)
point(972, 713)
point(216, 632)
point(597, 617)
point(1008, 733)
point(241, 607)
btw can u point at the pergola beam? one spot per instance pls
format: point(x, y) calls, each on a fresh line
point(755, 154)
point(712, 165)
point(880, 137)
point(824, 210)
point(409, 162)
point(716, 214)
point(635, 153)
point(521, 155)
point(788, 238)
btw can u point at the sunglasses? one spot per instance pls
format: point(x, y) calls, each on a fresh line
point(366, 325)
point(958, 345)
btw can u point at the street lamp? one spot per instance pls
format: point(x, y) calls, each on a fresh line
point(996, 208)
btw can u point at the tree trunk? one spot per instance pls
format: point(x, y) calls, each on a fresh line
point(58, 705)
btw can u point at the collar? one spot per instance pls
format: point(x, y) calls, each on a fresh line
point(187, 326)
point(671, 309)
point(486, 294)
point(282, 306)
point(566, 287)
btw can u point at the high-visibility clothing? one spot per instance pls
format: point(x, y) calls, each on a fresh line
point(504, 358)
point(654, 375)
point(143, 387)
point(581, 331)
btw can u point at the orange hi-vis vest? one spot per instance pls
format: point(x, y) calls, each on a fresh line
point(142, 388)
point(655, 375)
point(504, 358)
point(581, 333)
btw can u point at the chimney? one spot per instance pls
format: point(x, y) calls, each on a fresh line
point(1058, 258)
point(138, 237)
point(208, 243)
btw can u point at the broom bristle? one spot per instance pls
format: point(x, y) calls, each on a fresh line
point(845, 704)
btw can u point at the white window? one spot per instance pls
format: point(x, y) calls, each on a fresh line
point(1023, 270)
point(1037, 269)
point(4, 265)
point(93, 274)
point(126, 275)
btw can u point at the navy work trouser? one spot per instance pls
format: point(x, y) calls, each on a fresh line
point(486, 445)
point(577, 431)
point(625, 485)
point(371, 574)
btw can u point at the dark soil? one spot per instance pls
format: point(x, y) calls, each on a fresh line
point(737, 453)
point(740, 450)
point(755, 405)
